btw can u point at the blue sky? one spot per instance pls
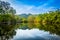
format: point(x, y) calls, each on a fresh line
point(34, 6)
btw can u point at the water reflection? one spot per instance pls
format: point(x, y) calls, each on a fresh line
point(34, 34)
point(30, 31)
point(52, 28)
point(7, 31)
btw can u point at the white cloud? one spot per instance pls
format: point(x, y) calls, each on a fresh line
point(21, 8)
point(6, 0)
point(33, 9)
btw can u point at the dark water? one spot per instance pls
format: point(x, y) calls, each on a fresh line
point(34, 34)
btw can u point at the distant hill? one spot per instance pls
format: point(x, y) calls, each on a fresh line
point(24, 15)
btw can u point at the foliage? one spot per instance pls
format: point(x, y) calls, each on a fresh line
point(5, 8)
point(8, 21)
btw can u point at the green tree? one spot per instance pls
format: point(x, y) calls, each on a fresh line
point(5, 8)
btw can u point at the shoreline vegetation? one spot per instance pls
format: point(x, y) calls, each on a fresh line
point(8, 21)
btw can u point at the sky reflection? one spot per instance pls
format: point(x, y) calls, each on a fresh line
point(34, 34)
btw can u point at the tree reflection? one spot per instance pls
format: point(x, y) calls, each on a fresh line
point(7, 31)
point(52, 28)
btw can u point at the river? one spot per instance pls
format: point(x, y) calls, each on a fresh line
point(34, 34)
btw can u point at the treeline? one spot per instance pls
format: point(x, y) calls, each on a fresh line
point(47, 21)
point(52, 17)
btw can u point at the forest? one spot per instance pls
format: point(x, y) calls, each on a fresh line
point(49, 21)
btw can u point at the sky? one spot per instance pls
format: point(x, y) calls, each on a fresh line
point(34, 6)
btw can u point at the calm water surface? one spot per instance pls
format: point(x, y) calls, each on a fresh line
point(25, 33)
point(34, 34)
